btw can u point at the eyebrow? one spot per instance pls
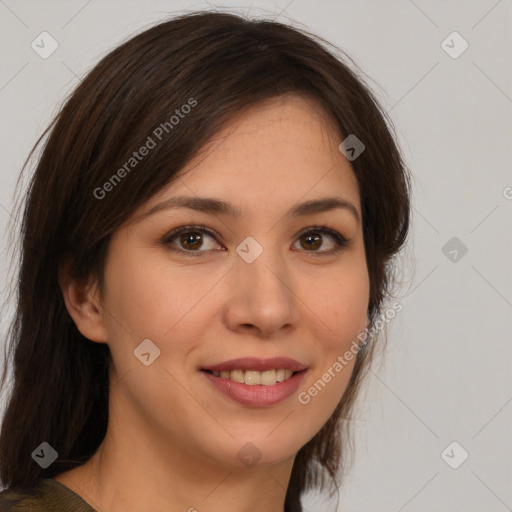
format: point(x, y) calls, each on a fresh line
point(216, 206)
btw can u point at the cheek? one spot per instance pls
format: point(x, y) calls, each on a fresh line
point(341, 304)
point(341, 311)
point(149, 296)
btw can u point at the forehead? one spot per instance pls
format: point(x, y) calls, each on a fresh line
point(268, 157)
point(287, 125)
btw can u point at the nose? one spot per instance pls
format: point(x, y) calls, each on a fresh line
point(261, 298)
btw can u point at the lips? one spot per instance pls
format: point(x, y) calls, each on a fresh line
point(256, 395)
point(257, 364)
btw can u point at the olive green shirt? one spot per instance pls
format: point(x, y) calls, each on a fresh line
point(47, 495)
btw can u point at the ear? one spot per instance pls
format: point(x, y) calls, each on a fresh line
point(83, 304)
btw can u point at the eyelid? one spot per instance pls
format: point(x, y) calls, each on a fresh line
point(340, 241)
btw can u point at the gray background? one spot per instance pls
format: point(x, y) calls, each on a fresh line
point(446, 375)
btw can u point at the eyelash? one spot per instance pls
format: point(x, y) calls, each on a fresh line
point(340, 241)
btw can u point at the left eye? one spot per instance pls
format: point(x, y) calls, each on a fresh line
point(191, 238)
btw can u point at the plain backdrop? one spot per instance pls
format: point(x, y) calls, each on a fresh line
point(446, 375)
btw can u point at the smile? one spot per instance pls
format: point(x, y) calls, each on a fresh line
point(256, 394)
point(253, 378)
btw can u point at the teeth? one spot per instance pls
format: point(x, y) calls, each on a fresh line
point(236, 375)
point(268, 378)
point(253, 378)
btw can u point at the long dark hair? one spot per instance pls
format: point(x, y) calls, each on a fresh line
point(224, 63)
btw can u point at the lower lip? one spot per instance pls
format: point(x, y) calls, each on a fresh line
point(257, 395)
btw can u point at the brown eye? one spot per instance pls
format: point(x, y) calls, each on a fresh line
point(313, 239)
point(190, 240)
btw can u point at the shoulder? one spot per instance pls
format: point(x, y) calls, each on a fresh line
point(45, 495)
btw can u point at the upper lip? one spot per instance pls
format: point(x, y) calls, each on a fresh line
point(257, 364)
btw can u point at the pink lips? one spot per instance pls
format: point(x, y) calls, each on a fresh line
point(257, 395)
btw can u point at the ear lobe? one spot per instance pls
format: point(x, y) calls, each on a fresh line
point(82, 303)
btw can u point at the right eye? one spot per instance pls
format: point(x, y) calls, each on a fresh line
point(191, 238)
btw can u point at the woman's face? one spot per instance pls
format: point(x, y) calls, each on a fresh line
point(262, 284)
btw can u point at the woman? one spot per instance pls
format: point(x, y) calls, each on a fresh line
point(206, 249)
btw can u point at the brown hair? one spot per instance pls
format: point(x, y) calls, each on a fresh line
point(225, 63)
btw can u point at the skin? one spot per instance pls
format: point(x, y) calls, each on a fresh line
point(172, 438)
